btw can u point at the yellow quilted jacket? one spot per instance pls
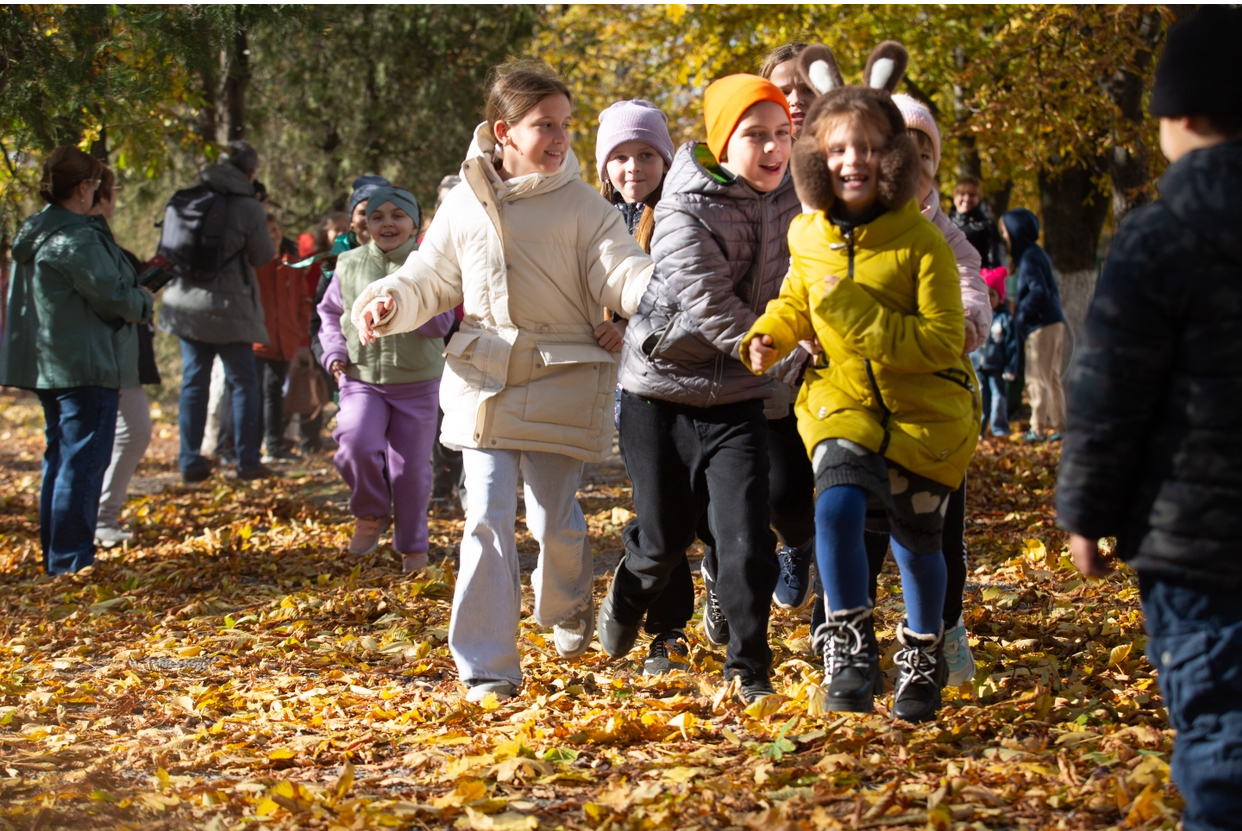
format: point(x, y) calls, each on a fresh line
point(892, 377)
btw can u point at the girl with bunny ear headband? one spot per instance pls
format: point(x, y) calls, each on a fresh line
point(891, 418)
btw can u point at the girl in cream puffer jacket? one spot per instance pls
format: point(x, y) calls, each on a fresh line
point(535, 255)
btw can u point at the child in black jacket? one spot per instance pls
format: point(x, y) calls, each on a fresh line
point(996, 361)
point(1153, 447)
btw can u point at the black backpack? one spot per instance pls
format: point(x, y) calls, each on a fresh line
point(192, 234)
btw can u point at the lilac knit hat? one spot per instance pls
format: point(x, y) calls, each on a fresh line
point(918, 117)
point(635, 120)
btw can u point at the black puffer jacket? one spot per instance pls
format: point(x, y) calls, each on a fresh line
point(980, 232)
point(721, 254)
point(1153, 446)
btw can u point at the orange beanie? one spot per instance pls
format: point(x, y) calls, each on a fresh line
point(726, 100)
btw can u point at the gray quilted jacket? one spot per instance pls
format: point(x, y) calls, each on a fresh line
point(721, 254)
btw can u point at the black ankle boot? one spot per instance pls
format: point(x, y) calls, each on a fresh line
point(851, 660)
point(920, 675)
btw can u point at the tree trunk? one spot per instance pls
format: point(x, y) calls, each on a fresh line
point(207, 122)
point(1129, 160)
point(1074, 210)
point(236, 79)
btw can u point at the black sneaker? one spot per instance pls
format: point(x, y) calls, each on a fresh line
point(278, 454)
point(198, 473)
point(617, 639)
point(851, 661)
point(794, 583)
point(259, 471)
point(715, 626)
point(667, 652)
point(754, 687)
point(920, 675)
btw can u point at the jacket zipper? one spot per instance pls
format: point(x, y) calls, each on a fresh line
point(886, 414)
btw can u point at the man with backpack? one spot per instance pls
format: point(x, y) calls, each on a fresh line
point(215, 234)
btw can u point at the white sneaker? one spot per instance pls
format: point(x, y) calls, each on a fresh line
point(501, 689)
point(108, 536)
point(958, 658)
point(573, 635)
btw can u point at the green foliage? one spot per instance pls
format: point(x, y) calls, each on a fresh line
point(394, 90)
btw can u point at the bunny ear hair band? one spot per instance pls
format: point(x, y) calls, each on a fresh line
point(886, 66)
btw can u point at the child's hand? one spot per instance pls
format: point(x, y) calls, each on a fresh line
point(337, 369)
point(1087, 558)
point(375, 311)
point(762, 353)
point(830, 282)
point(1009, 377)
point(611, 334)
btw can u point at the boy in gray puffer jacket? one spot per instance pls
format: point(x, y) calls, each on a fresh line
point(693, 431)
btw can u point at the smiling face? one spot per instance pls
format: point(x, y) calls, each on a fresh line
point(758, 150)
point(390, 226)
point(797, 94)
point(538, 142)
point(965, 197)
point(358, 223)
point(853, 147)
point(635, 169)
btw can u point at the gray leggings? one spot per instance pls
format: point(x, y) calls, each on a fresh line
point(133, 434)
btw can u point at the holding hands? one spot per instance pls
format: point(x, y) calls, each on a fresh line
point(762, 353)
point(375, 311)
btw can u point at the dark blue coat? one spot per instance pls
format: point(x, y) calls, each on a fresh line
point(999, 353)
point(1038, 300)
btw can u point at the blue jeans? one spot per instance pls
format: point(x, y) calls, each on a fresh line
point(80, 426)
point(239, 368)
point(994, 392)
point(1195, 643)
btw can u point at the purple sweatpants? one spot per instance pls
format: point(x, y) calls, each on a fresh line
point(389, 426)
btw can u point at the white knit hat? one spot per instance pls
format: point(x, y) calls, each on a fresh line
point(918, 117)
point(635, 120)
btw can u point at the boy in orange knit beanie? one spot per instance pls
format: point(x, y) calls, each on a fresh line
point(693, 431)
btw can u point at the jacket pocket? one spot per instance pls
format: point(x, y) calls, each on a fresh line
point(570, 384)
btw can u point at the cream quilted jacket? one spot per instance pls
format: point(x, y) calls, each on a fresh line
point(535, 260)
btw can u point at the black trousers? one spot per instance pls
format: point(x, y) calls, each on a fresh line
point(272, 387)
point(791, 501)
point(687, 463)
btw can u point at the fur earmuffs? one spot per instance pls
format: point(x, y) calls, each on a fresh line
point(899, 166)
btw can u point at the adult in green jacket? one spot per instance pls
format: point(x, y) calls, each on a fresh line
point(72, 308)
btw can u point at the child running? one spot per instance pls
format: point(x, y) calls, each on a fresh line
point(692, 421)
point(536, 255)
point(634, 152)
point(386, 424)
point(892, 416)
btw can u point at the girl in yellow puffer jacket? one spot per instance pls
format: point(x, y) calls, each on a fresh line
point(890, 414)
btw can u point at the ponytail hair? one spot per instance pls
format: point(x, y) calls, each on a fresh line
point(64, 169)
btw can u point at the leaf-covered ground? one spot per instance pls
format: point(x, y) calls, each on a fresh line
point(233, 668)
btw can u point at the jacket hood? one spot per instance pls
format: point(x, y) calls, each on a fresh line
point(39, 228)
point(1203, 189)
point(1023, 229)
point(695, 170)
point(227, 179)
point(484, 147)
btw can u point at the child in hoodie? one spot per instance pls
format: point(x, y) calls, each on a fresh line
point(536, 255)
point(1152, 453)
point(1041, 324)
point(692, 423)
point(386, 424)
point(996, 361)
point(892, 417)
